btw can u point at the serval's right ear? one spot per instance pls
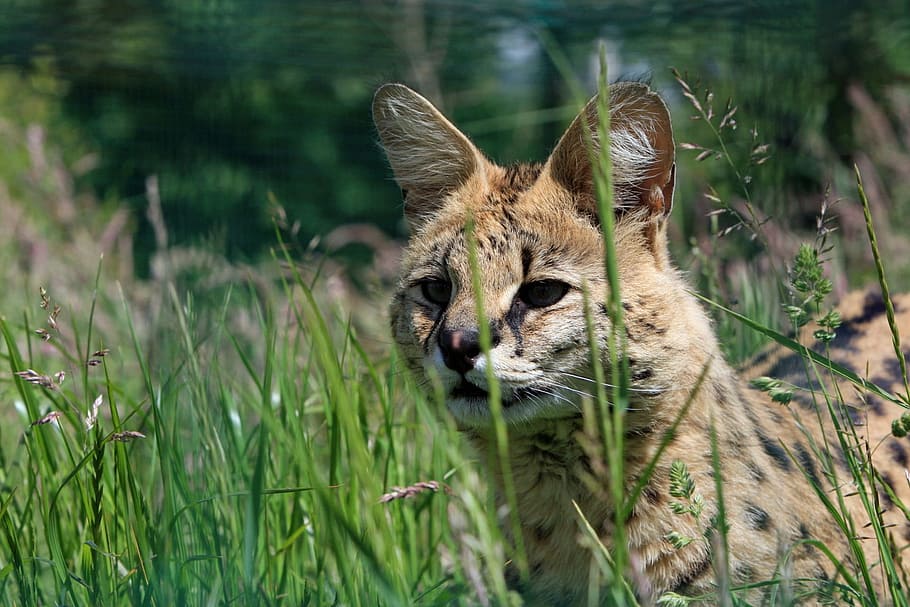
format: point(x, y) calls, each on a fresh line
point(429, 156)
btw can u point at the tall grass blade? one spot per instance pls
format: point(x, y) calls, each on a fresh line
point(500, 432)
point(886, 294)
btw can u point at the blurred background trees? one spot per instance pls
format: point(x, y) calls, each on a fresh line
point(234, 103)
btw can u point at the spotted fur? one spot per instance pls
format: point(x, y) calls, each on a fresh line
point(539, 254)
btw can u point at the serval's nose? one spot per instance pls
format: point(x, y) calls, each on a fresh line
point(461, 347)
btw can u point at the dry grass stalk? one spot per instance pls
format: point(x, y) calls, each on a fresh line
point(414, 490)
point(126, 436)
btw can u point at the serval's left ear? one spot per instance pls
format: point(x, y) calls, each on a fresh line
point(641, 148)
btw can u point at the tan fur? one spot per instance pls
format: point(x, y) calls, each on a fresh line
point(537, 225)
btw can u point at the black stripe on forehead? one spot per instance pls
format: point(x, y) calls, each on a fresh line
point(516, 180)
point(526, 256)
point(493, 243)
point(522, 175)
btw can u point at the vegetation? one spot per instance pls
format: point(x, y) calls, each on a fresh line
point(183, 428)
point(227, 105)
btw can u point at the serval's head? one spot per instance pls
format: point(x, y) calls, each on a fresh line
point(539, 256)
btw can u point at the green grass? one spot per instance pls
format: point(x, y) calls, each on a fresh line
point(287, 459)
point(258, 480)
point(260, 476)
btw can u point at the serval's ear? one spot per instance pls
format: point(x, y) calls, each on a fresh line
point(429, 156)
point(641, 148)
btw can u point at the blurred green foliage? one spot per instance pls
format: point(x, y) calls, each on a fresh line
point(227, 102)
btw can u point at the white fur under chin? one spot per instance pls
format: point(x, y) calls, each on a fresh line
point(520, 414)
point(474, 412)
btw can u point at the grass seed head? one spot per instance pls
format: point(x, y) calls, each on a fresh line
point(92, 418)
point(411, 491)
point(33, 377)
point(126, 436)
point(50, 417)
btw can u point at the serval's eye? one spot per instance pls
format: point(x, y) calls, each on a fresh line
point(437, 291)
point(543, 293)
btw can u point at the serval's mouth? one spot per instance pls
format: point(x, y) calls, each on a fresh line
point(466, 389)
